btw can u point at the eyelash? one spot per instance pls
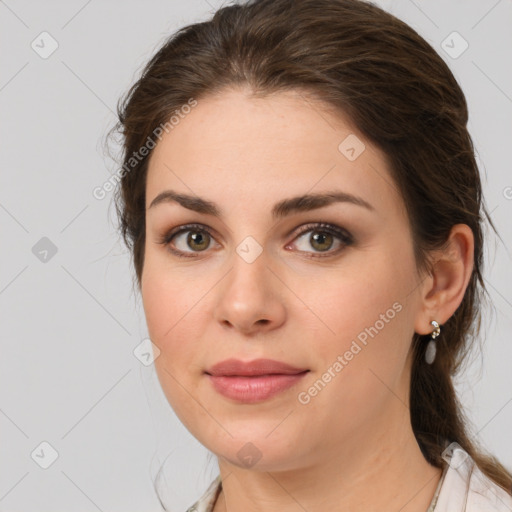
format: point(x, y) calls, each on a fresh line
point(342, 235)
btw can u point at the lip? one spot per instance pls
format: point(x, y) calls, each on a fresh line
point(230, 367)
point(253, 381)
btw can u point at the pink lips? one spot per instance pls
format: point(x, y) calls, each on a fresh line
point(253, 381)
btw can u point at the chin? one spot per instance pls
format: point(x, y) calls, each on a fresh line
point(256, 451)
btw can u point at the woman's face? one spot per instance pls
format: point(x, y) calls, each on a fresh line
point(254, 280)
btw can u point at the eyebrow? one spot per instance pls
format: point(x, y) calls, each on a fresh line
point(281, 209)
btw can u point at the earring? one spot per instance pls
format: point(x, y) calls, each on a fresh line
point(430, 352)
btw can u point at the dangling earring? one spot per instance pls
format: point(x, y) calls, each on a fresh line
point(430, 353)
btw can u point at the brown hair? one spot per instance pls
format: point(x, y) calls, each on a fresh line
point(399, 93)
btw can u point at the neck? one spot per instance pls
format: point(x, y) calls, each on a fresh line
point(383, 471)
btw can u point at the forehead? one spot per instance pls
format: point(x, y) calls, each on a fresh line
point(275, 146)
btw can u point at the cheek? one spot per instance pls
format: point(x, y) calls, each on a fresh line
point(350, 301)
point(168, 310)
point(367, 318)
point(177, 308)
point(362, 367)
point(173, 326)
point(168, 296)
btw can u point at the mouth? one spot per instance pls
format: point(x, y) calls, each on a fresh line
point(254, 381)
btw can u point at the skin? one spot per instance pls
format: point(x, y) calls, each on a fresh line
point(353, 442)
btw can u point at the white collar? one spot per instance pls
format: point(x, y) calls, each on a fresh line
point(466, 489)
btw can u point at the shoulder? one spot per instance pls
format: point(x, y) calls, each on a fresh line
point(206, 502)
point(466, 488)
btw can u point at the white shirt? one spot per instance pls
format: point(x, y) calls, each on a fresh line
point(462, 488)
point(466, 489)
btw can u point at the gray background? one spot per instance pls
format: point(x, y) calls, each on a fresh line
point(71, 321)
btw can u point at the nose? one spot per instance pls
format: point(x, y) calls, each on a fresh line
point(250, 299)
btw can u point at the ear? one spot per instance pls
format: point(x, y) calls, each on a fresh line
point(443, 289)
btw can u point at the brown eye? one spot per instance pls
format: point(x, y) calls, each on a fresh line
point(188, 240)
point(198, 240)
point(321, 240)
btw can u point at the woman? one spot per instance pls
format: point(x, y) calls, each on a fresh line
point(301, 197)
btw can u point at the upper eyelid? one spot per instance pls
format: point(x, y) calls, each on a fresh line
point(303, 228)
point(327, 226)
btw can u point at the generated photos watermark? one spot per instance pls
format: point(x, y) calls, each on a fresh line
point(357, 345)
point(109, 185)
